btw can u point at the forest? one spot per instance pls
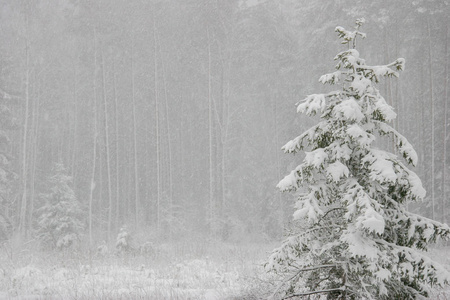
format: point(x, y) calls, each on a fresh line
point(164, 120)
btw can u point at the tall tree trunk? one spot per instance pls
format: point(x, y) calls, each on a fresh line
point(33, 158)
point(445, 134)
point(75, 126)
point(277, 153)
point(135, 166)
point(222, 139)
point(158, 158)
point(422, 126)
point(94, 155)
point(169, 135)
point(23, 207)
point(108, 165)
point(116, 113)
point(210, 124)
point(430, 62)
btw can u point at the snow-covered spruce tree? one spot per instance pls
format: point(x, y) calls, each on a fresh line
point(60, 221)
point(352, 235)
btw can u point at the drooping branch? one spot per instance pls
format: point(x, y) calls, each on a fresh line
point(312, 268)
point(342, 288)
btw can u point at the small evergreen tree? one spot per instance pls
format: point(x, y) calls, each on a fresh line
point(123, 241)
point(353, 237)
point(60, 222)
point(7, 122)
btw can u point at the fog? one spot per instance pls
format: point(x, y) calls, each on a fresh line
point(161, 123)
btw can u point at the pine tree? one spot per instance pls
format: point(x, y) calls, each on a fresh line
point(60, 222)
point(7, 122)
point(352, 236)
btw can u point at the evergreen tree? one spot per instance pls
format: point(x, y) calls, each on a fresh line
point(60, 222)
point(123, 240)
point(352, 235)
point(7, 122)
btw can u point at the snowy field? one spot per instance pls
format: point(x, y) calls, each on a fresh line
point(199, 270)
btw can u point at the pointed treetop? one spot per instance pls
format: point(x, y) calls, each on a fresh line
point(350, 36)
point(359, 22)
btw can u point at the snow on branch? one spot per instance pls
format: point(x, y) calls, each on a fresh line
point(315, 103)
point(421, 228)
point(316, 158)
point(291, 181)
point(359, 202)
point(342, 288)
point(359, 245)
point(376, 72)
point(347, 35)
point(381, 166)
point(383, 110)
point(312, 104)
point(348, 109)
point(337, 170)
point(308, 208)
point(297, 144)
point(331, 78)
point(349, 59)
point(403, 146)
point(361, 136)
point(414, 260)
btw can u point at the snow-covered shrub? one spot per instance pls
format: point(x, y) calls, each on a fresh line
point(102, 250)
point(352, 236)
point(123, 241)
point(5, 227)
point(60, 221)
point(147, 249)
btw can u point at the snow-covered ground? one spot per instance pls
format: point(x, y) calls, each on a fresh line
point(200, 270)
point(442, 255)
point(172, 271)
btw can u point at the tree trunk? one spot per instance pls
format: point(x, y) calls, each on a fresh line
point(430, 62)
point(35, 134)
point(94, 155)
point(169, 142)
point(135, 167)
point(445, 134)
point(23, 206)
point(210, 124)
point(75, 127)
point(116, 113)
point(108, 166)
point(158, 158)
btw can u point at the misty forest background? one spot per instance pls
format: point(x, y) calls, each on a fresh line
point(170, 115)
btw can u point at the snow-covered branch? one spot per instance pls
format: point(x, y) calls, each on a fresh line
point(342, 288)
point(403, 146)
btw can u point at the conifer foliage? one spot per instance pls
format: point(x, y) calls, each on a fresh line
point(60, 222)
point(352, 235)
point(7, 123)
point(123, 241)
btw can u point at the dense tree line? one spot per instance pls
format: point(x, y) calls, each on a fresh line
point(170, 115)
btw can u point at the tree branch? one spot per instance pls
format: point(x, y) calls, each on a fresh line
point(342, 288)
point(331, 210)
point(312, 268)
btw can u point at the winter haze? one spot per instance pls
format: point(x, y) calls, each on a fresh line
point(141, 147)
